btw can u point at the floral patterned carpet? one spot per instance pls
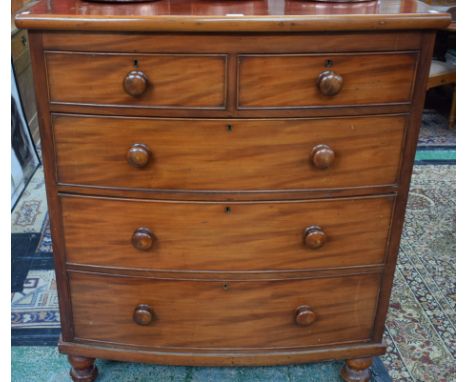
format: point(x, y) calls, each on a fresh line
point(420, 329)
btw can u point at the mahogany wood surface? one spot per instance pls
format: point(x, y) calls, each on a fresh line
point(220, 357)
point(83, 369)
point(305, 316)
point(199, 43)
point(231, 111)
point(143, 239)
point(295, 80)
point(53, 203)
point(357, 370)
point(226, 237)
point(224, 315)
point(192, 81)
point(229, 154)
point(232, 193)
point(409, 153)
point(228, 16)
point(227, 196)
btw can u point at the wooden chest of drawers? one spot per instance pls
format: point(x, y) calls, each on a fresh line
point(227, 189)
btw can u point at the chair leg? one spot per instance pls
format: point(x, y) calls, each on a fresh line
point(452, 115)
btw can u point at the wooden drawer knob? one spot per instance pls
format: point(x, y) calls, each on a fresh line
point(143, 239)
point(314, 237)
point(322, 156)
point(135, 83)
point(143, 315)
point(305, 316)
point(329, 83)
point(138, 155)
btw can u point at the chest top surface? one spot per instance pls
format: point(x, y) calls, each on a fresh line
point(230, 16)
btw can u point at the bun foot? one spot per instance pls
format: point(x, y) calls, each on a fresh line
point(83, 369)
point(357, 370)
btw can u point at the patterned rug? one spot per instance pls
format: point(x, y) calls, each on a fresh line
point(45, 364)
point(421, 320)
point(435, 132)
point(437, 143)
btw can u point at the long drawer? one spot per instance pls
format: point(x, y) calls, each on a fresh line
point(224, 314)
point(166, 235)
point(187, 154)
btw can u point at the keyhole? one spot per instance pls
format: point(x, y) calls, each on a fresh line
point(227, 210)
point(229, 128)
point(226, 286)
point(135, 63)
point(328, 63)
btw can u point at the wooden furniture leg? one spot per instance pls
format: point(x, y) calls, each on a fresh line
point(357, 370)
point(452, 115)
point(82, 369)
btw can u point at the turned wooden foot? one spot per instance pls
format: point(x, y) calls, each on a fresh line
point(357, 370)
point(83, 369)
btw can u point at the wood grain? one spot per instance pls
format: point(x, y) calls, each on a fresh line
point(224, 278)
point(290, 80)
point(220, 357)
point(230, 111)
point(53, 202)
point(228, 154)
point(227, 275)
point(409, 153)
point(257, 16)
point(82, 369)
point(217, 315)
point(234, 43)
point(176, 80)
point(226, 237)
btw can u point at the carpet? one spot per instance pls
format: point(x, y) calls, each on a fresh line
point(434, 131)
point(45, 364)
point(420, 327)
point(436, 142)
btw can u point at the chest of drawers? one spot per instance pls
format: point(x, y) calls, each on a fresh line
point(227, 189)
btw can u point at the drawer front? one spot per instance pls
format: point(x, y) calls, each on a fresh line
point(304, 81)
point(136, 80)
point(229, 154)
point(229, 314)
point(165, 235)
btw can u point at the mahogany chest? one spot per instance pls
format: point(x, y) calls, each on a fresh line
point(227, 181)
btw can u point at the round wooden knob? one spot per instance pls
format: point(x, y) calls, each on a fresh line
point(143, 315)
point(322, 156)
point(329, 83)
point(305, 316)
point(138, 155)
point(314, 237)
point(135, 83)
point(143, 239)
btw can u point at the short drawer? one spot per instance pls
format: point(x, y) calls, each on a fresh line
point(210, 236)
point(137, 80)
point(224, 314)
point(187, 154)
point(315, 80)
